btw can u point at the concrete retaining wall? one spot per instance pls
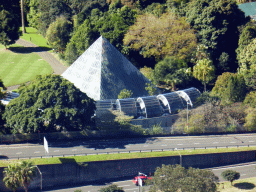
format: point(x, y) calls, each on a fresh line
point(74, 173)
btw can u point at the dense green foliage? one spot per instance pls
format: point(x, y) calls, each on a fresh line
point(204, 71)
point(150, 35)
point(9, 28)
point(48, 104)
point(230, 175)
point(2, 107)
point(170, 72)
point(125, 94)
point(247, 64)
point(20, 174)
point(174, 178)
point(111, 188)
point(58, 34)
point(250, 99)
point(216, 23)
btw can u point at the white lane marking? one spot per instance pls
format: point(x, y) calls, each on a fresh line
point(74, 150)
point(234, 167)
point(251, 141)
point(215, 142)
point(145, 146)
point(56, 150)
point(232, 142)
point(131, 189)
point(37, 152)
point(124, 185)
point(163, 145)
point(243, 174)
point(19, 153)
point(180, 144)
point(196, 143)
point(128, 146)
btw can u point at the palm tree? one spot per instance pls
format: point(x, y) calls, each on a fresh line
point(204, 71)
point(27, 172)
point(11, 178)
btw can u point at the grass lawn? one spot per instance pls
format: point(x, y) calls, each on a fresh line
point(19, 65)
point(239, 185)
point(32, 36)
point(104, 157)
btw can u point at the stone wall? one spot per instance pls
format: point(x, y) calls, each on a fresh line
point(80, 173)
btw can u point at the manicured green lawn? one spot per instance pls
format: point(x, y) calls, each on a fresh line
point(32, 36)
point(239, 185)
point(19, 65)
point(104, 157)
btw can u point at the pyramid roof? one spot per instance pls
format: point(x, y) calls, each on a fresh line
point(102, 72)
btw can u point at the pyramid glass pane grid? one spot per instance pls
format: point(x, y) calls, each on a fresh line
point(102, 72)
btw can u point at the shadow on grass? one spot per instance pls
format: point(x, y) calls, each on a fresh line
point(244, 185)
point(28, 49)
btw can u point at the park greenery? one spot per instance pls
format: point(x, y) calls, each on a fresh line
point(174, 178)
point(177, 44)
point(49, 103)
point(230, 175)
point(19, 174)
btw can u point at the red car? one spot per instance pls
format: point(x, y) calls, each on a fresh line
point(142, 176)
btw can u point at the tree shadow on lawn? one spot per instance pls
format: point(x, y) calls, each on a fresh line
point(28, 49)
point(244, 185)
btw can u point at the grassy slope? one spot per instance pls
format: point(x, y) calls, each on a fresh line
point(239, 185)
point(18, 65)
point(103, 157)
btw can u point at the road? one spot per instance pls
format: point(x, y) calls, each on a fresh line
point(125, 145)
point(246, 170)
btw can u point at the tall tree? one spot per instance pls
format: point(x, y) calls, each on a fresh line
point(173, 178)
point(22, 16)
point(9, 28)
point(160, 37)
point(170, 72)
point(230, 175)
point(58, 33)
point(204, 71)
point(11, 177)
point(247, 64)
point(216, 23)
point(49, 103)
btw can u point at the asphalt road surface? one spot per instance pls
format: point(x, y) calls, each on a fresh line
point(125, 145)
point(246, 170)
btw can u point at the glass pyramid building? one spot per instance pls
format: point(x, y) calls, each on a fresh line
point(102, 72)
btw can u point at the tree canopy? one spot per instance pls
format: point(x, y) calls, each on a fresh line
point(230, 175)
point(49, 103)
point(204, 71)
point(170, 72)
point(161, 36)
point(58, 33)
point(247, 64)
point(216, 23)
point(174, 178)
point(9, 28)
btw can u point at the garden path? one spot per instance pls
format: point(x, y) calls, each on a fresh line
point(58, 67)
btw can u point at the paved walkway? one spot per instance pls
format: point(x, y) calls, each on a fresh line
point(58, 68)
